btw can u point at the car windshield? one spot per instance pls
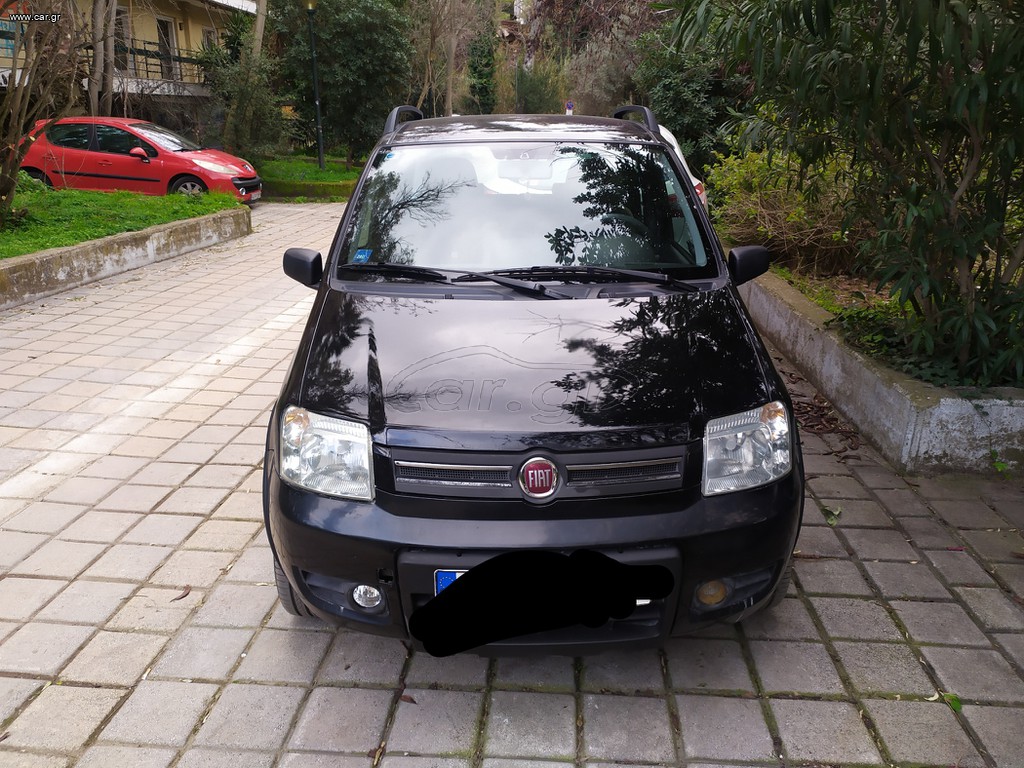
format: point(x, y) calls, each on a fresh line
point(164, 138)
point(516, 204)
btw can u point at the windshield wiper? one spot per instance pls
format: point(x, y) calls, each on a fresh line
point(396, 270)
point(610, 274)
point(425, 273)
point(498, 276)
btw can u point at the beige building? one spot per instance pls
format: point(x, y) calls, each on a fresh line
point(156, 42)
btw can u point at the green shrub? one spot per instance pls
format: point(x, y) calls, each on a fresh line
point(691, 95)
point(540, 88)
point(754, 199)
point(927, 100)
point(242, 85)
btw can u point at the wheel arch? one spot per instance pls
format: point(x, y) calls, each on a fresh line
point(178, 177)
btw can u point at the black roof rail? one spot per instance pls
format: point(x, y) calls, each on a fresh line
point(648, 117)
point(396, 115)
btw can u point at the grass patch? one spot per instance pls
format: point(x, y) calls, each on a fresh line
point(301, 169)
point(54, 218)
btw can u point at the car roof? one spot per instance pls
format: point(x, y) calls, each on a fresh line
point(99, 120)
point(488, 128)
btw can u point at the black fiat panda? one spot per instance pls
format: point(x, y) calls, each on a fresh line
point(529, 410)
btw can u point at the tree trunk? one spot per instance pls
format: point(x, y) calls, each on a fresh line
point(257, 31)
point(453, 41)
point(99, 8)
point(107, 96)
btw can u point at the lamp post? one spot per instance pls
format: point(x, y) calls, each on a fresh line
point(311, 8)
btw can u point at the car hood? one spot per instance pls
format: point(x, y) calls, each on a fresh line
point(505, 374)
point(223, 158)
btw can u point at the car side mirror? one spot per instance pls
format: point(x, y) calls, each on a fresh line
point(140, 153)
point(304, 265)
point(747, 262)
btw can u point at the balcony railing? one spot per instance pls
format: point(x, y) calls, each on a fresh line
point(150, 60)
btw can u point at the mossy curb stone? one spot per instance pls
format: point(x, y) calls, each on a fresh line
point(916, 426)
point(36, 275)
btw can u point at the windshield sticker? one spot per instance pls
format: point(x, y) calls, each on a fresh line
point(362, 256)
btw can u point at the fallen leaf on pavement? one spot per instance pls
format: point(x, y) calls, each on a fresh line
point(184, 593)
point(831, 515)
point(407, 698)
point(953, 701)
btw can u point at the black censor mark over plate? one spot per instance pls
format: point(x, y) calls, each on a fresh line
point(520, 593)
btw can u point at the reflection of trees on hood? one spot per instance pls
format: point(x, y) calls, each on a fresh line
point(628, 184)
point(390, 203)
point(343, 361)
point(333, 382)
point(677, 356)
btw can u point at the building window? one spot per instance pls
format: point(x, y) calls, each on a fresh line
point(210, 38)
point(7, 38)
point(166, 48)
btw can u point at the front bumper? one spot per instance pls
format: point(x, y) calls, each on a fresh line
point(328, 546)
point(249, 189)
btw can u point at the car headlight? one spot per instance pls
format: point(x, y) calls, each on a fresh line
point(215, 167)
point(747, 449)
point(326, 455)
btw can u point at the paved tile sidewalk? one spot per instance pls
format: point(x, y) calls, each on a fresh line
point(139, 625)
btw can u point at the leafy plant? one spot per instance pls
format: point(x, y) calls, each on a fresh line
point(539, 87)
point(363, 57)
point(998, 464)
point(926, 100)
point(242, 83)
point(481, 72)
point(755, 199)
point(691, 94)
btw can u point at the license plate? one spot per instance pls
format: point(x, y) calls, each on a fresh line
point(444, 579)
point(256, 194)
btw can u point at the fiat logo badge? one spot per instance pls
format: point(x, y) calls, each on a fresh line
point(538, 478)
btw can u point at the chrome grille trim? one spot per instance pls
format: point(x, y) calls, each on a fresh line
point(623, 472)
point(469, 475)
point(580, 476)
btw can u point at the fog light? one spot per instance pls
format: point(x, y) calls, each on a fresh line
point(367, 596)
point(712, 592)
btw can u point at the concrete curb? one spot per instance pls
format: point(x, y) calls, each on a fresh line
point(36, 275)
point(916, 426)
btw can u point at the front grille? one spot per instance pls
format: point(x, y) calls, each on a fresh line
point(247, 184)
point(623, 472)
point(655, 470)
point(453, 474)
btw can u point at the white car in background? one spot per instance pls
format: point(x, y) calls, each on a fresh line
point(698, 185)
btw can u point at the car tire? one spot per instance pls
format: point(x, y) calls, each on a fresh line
point(187, 185)
point(292, 602)
point(38, 175)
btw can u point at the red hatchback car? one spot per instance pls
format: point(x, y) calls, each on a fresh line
point(108, 153)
